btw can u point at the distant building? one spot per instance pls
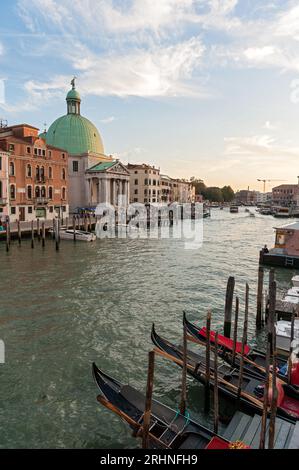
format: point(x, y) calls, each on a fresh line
point(4, 185)
point(183, 191)
point(285, 195)
point(94, 177)
point(37, 175)
point(264, 198)
point(246, 196)
point(167, 189)
point(144, 183)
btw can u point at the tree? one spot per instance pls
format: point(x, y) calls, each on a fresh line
point(228, 193)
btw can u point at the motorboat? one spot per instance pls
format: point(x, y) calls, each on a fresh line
point(79, 235)
point(234, 209)
point(295, 281)
point(283, 334)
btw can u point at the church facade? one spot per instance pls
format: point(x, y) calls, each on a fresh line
point(94, 177)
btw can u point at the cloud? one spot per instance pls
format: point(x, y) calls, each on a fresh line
point(160, 71)
point(1, 49)
point(259, 149)
point(270, 126)
point(107, 120)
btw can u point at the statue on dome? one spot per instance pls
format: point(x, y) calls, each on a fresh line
point(73, 83)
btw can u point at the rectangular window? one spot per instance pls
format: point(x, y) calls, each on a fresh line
point(28, 150)
point(136, 182)
point(63, 156)
point(11, 147)
point(39, 151)
point(50, 153)
point(136, 191)
point(13, 211)
point(51, 209)
point(35, 151)
point(44, 153)
point(135, 199)
point(75, 166)
point(30, 210)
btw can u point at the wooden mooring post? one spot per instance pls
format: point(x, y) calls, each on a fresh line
point(38, 229)
point(273, 404)
point(184, 374)
point(229, 306)
point(208, 362)
point(7, 235)
point(148, 400)
point(266, 398)
point(32, 234)
point(235, 330)
point(216, 391)
point(54, 228)
point(74, 227)
point(244, 341)
point(85, 223)
point(259, 304)
point(291, 348)
point(19, 232)
point(43, 234)
point(57, 238)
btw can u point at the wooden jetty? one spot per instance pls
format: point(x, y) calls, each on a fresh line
point(248, 429)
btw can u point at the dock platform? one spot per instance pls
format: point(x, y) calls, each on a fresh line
point(247, 428)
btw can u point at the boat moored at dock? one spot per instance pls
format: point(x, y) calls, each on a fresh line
point(286, 249)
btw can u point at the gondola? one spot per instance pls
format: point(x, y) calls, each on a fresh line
point(252, 389)
point(254, 360)
point(168, 428)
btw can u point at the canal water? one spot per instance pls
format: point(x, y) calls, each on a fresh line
point(97, 302)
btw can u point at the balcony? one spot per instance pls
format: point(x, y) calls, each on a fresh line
point(40, 179)
point(41, 201)
point(3, 201)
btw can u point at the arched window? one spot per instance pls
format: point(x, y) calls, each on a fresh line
point(1, 189)
point(37, 191)
point(29, 192)
point(50, 172)
point(12, 169)
point(50, 192)
point(12, 191)
point(29, 171)
point(43, 191)
point(37, 172)
point(42, 173)
point(63, 173)
point(63, 193)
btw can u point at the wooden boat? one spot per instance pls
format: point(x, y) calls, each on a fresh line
point(234, 209)
point(168, 428)
point(81, 235)
point(252, 389)
point(254, 360)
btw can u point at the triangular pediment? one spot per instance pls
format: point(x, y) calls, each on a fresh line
point(118, 168)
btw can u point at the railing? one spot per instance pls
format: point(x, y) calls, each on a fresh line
point(3, 201)
point(40, 179)
point(41, 200)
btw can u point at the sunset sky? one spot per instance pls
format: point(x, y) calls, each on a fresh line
point(204, 88)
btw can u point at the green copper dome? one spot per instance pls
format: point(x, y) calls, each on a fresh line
point(73, 132)
point(73, 95)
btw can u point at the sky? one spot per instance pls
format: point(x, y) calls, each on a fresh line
point(203, 88)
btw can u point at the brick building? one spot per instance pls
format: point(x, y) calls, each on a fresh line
point(37, 175)
point(285, 195)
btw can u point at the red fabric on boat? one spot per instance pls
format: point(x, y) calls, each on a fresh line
point(295, 374)
point(291, 405)
point(280, 394)
point(226, 342)
point(217, 443)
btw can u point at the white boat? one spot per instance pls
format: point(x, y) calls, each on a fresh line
point(81, 235)
point(295, 281)
point(283, 334)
